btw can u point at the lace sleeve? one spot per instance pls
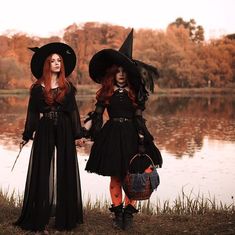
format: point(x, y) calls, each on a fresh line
point(32, 118)
point(96, 119)
point(141, 126)
point(75, 117)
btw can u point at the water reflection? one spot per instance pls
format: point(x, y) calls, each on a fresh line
point(180, 124)
point(196, 136)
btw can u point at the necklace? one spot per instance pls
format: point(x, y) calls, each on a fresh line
point(121, 88)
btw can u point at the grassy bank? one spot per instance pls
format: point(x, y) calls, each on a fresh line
point(82, 90)
point(187, 215)
point(91, 90)
point(14, 91)
point(196, 91)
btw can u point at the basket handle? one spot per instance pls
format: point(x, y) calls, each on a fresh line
point(138, 155)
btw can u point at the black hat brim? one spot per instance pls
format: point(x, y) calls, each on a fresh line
point(105, 58)
point(39, 57)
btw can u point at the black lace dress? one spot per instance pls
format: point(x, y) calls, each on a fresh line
point(118, 140)
point(53, 182)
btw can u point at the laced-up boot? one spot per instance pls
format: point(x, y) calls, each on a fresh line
point(118, 212)
point(129, 210)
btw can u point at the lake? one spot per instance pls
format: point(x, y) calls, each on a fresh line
point(195, 134)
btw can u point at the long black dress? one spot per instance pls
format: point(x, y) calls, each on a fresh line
point(118, 140)
point(53, 182)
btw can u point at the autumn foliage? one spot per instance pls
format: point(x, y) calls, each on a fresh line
point(180, 53)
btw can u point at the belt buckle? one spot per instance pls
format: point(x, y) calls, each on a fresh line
point(121, 119)
point(50, 115)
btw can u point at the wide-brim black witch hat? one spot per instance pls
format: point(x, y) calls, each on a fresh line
point(105, 58)
point(40, 55)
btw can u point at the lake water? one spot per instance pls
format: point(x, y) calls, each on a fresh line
point(196, 136)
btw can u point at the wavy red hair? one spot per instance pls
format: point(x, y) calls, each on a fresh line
point(46, 80)
point(107, 89)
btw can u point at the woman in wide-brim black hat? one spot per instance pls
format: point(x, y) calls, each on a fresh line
point(105, 58)
point(65, 51)
point(53, 121)
point(124, 134)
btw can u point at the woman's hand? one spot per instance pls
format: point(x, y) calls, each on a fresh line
point(80, 142)
point(141, 144)
point(88, 124)
point(24, 142)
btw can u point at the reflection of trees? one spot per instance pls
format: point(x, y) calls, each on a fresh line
point(12, 114)
point(179, 124)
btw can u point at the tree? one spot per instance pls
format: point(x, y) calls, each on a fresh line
point(11, 74)
point(196, 33)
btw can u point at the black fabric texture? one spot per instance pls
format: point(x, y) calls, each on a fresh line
point(53, 182)
point(118, 141)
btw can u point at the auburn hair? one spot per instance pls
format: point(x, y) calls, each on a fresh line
point(63, 84)
point(108, 81)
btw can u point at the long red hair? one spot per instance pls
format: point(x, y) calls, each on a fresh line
point(46, 80)
point(107, 89)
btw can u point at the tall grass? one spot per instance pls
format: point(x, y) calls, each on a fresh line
point(10, 199)
point(183, 204)
point(101, 205)
point(188, 204)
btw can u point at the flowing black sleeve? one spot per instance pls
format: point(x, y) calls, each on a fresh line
point(75, 116)
point(142, 129)
point(33, 116)
point(96, 118)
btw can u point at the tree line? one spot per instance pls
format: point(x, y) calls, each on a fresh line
point(183, 58)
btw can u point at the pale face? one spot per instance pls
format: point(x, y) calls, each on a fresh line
point(55, 63)
point(121, 76)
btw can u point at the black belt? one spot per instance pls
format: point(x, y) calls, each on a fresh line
point(121, 119)
point(51, 115)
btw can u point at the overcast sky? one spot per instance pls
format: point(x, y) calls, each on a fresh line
point(47, 17)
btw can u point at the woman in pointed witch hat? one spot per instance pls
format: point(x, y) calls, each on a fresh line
point(53, 122)
point(125, 133)
point(148, 73)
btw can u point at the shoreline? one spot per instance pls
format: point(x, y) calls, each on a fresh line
point(92, 89)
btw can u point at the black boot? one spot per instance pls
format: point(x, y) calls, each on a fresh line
point(118, 212)
point(128, 216)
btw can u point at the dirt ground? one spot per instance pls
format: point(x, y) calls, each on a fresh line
point(213, 223)
point(100, 223)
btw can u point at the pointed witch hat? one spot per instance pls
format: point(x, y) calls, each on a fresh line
point(105, 58)
point(127, 46)
point(147, 72)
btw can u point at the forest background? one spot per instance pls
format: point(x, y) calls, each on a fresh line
point(183, 58)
